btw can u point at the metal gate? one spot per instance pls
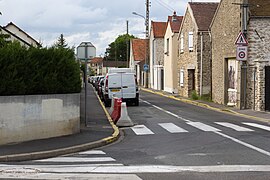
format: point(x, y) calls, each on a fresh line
point(267, 88)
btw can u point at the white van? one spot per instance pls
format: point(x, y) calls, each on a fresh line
point(122, 85)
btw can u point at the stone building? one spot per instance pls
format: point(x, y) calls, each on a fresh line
point(258, 70)
point(243, 84)
point(156, 43)
point(194, 64)
point(171, 53)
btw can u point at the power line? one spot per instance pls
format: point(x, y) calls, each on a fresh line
point(163, 4)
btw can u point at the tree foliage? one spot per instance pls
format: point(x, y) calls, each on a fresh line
point(61, 42)
point(38, 70)
point(117, 50)
point(4, 39)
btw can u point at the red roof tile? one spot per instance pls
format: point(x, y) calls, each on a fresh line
point(159, 29)
point(139, 49)
point(96, 60)
point(175, 22)
point(203, 13)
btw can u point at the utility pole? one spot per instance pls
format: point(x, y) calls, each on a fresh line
point(244, 21)
point(146, 43)
point(127, 46)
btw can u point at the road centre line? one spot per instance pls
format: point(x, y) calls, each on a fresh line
point(244, 144)
point(226, 136)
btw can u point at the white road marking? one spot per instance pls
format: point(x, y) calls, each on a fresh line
point(76, 159)
point(203, 127)
point(267, 128)
point(233, 126)
point(244, 144)
point(143, 169)
point(75, 176)
point(172, 128)
point(93, 152)
point(168, 112)
point(141, 130)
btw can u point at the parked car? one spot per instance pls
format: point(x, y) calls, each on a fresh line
point(97, 81)
point(122, 85)
point(100, 85)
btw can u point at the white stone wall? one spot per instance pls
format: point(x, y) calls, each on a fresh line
point(24, 118)
point(258, 58)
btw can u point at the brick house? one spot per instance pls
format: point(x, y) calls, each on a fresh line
point(194, 64)
point(171, 53)
point(137, 58)
point(235, 83)
point(96, 64)
point(156, 44)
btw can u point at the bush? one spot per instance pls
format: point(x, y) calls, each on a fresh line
point(38, 70)
point(194, 95)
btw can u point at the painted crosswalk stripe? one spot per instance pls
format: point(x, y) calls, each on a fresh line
point(203, 127)
point(92, 152)
point(267, 128)
point(233, 126)
point(141, 130)
point(76, 159)
point(172, 128)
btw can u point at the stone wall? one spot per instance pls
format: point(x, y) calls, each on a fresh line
point(189, 60)
point(258, 58)
point(225, 28)
point(24, 118)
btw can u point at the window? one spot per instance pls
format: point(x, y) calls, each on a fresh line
point(181, 43)
point(182, 77)
point(190, 41)
point(168, 47)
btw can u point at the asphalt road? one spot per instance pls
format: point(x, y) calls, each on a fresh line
point(171, 140)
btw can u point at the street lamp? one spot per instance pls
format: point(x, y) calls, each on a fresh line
point(146, 66)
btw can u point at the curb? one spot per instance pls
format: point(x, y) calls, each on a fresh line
point(69, 150)
point(227, 111)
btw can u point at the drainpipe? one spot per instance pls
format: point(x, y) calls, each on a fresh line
point(201, 69)
point(254, 87)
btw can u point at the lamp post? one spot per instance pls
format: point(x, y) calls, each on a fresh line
point(146, 65)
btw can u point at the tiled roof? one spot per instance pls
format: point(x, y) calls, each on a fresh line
point(175, 22)
point(139, 49)
point(114, 63)
point(259, 8)
point(159, 29)
point(203, 13)
point(96, 60)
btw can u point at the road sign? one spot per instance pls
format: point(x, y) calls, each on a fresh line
point(241, 53)
point(241, 40)
point(86, 50)
point(145, 67)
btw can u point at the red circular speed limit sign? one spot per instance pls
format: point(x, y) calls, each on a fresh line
point(242, 54)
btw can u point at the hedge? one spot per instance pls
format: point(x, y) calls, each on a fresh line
point(38, 70)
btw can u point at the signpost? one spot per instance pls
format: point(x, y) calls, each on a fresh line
point(242, 47)
point(85, 51)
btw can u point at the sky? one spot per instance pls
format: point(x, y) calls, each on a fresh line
point(97, 21)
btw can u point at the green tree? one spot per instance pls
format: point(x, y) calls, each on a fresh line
point(4, 39)
point(61, 42)
point(117, 50)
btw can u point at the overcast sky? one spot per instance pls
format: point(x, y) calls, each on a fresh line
point(97, 21)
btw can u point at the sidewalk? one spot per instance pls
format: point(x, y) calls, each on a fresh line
point(249, 113)
point(98, 131)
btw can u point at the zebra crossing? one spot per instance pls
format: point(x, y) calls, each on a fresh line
point(173, 128)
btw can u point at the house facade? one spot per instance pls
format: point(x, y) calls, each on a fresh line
point(243, 84)
point(194, 64)
point(96, 64)
point(258, 62)
point(19, 35)
point(137, 59)
point(156, 44)
point(171, 53)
